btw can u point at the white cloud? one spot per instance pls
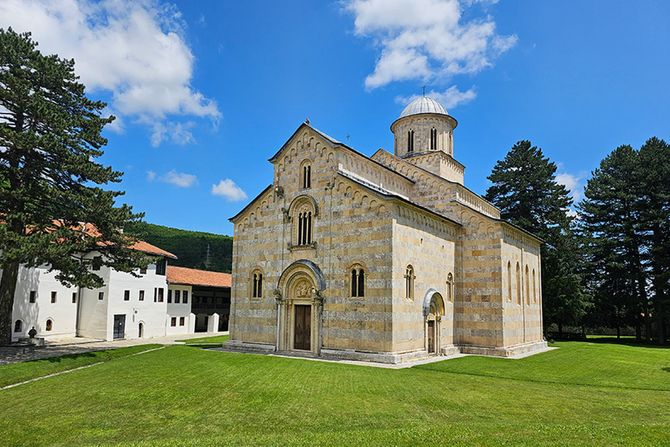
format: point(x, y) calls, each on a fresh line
point(133, 50)
point(172, 177)
point(573, 183)
point(176, 132)
point(450, 98)
point(229, 190)
point(179, 179)
point(426, 39)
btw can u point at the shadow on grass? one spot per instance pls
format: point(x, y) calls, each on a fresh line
point(64, 357)
point(204, 345)
point(666, 369)
point(627, 342)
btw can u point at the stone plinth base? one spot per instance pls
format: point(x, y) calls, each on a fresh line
point(377, 357)
point(238, 346)
point(509, 351)
point(393, 358)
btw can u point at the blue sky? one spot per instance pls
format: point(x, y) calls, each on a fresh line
point(206, 92)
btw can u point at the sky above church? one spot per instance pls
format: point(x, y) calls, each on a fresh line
point(205, 92)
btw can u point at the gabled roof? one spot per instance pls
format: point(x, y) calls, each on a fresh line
point(92, 231)
point(528, 233)
point(267, 188)
point(147, 248)
point(395, 196)
point(194, 277)
point(138, 245)
point(333, 142)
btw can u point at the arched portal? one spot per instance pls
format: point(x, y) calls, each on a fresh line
point(433, 311)
point(140, 330)
point(299, 307)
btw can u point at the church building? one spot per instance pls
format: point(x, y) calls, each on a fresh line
point(387, 258)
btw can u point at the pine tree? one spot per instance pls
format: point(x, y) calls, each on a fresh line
point(654, 178)
point(528, 195)
point(612, 236)
point(50, 140)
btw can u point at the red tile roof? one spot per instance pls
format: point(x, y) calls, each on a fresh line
point(149, 249)
point(92, 231)
point(195, 277)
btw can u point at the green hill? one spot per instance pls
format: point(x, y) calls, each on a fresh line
point(194, 249)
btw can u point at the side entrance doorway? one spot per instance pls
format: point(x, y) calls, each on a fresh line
point(119, 326)
point(431, 336)
point(303, 327)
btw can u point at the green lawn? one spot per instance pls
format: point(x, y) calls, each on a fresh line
point(216, 339)
point(18, 372)
point(581, 394)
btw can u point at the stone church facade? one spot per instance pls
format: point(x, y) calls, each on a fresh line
point(386, 258)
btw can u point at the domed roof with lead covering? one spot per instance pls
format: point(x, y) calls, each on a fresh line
point(423, 104)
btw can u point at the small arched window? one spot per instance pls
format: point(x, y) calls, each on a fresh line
point(450, 287)
point(49, 325)
point(257, 284)
point(433, 139)
point(410, 141)
point(518, 284)
point(306, 176)
point(409, 282)
point(18, 326)
point(357, 282)
point(534, 288)
point(509, 281)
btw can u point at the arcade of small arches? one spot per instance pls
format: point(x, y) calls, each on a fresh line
point(518, 287)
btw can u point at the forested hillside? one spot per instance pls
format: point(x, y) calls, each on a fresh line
point(194, 249)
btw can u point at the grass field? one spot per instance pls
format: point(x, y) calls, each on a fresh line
point(580, 394)
point(213, 340)
point(18, 372)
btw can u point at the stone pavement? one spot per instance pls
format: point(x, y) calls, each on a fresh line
point(78, 345)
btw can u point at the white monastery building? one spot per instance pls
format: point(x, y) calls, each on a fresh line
point(156, 303)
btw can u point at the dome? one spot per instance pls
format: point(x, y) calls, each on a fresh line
point(423, 104)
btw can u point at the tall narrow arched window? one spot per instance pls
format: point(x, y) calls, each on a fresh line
point(357, 282)
point(409, 282)
point(518, 284)
point(49, 325)
point(410, 141)
point(450, 287)
point(527, 278)
point(305, 228)
point(534, 288)
point(433, 139)
point(509, 281)
point(306, 176)
point(257, 284)
point(302, 213)
point(18, 326)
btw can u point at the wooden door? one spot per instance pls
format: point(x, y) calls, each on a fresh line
point(119, 326)
point(431, 336)
point(303, 327)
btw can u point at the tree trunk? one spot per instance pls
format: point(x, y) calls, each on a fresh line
point(618, 332)
point(638, 330)
point(560, 330)
point(660, 319)
point(7, 289)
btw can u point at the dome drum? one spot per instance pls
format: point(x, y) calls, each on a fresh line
point(423, 126)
